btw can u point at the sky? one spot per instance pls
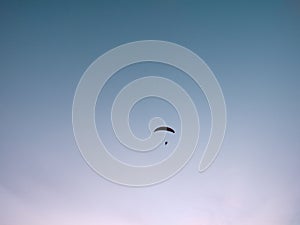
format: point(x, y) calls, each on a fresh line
point(252, 47)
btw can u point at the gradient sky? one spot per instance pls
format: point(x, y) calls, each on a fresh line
point(253, 48)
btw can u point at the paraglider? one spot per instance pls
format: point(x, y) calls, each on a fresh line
point(163, 128)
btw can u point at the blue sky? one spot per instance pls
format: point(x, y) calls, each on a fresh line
point(252, 48)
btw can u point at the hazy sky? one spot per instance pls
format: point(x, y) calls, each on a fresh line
point(253, 49)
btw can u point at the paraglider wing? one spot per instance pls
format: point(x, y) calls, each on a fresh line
point(169, 129)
